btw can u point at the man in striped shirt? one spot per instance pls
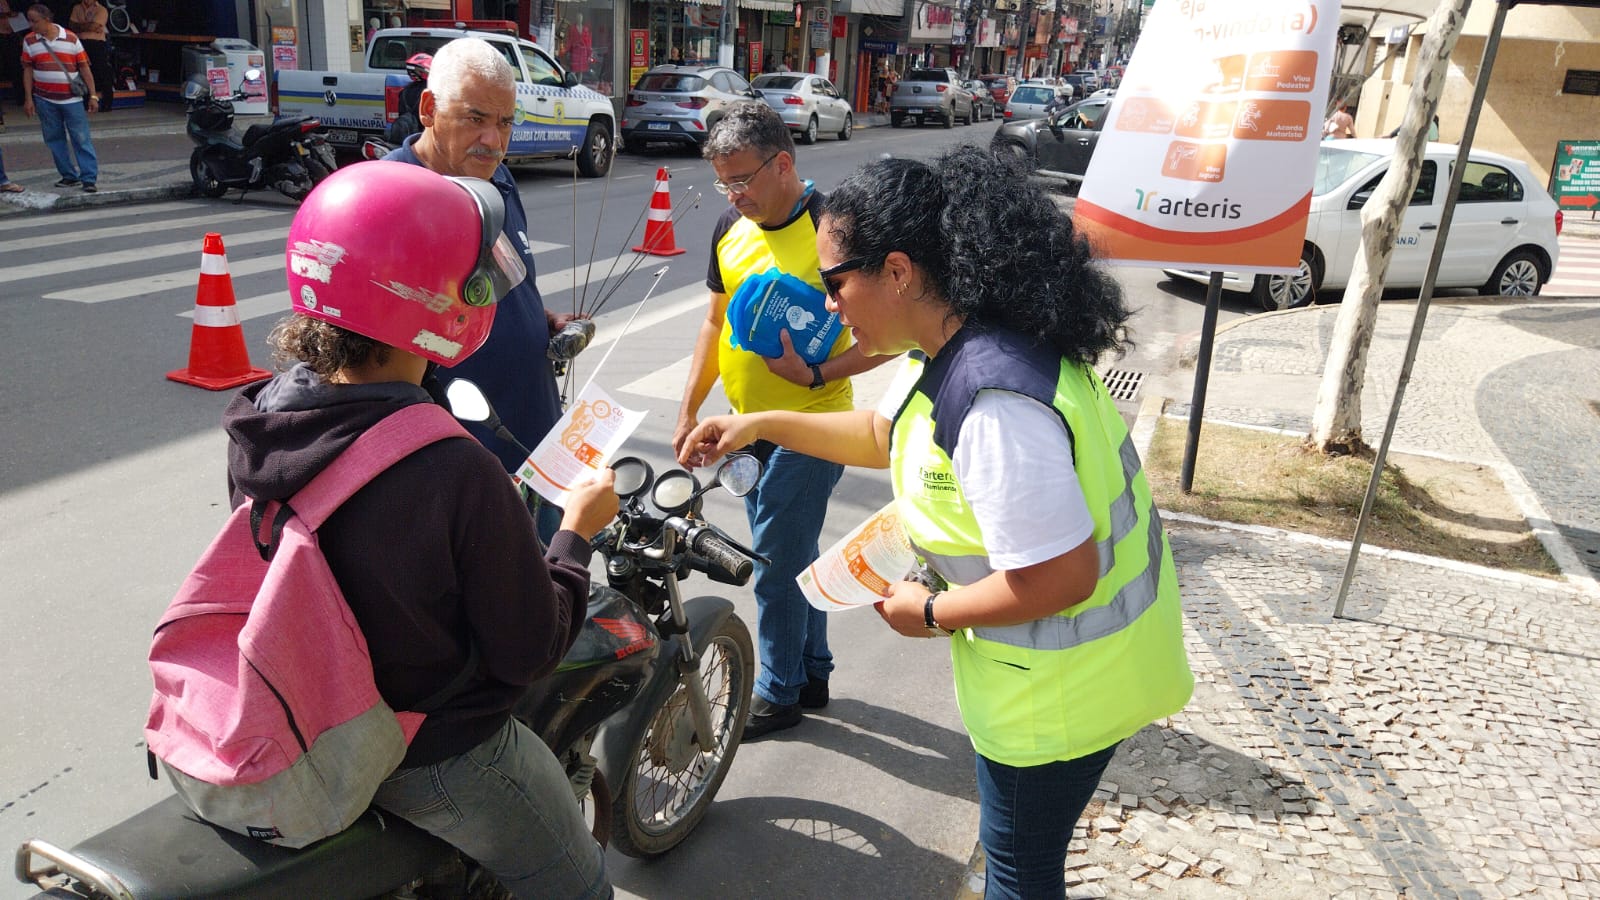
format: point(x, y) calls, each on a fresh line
point(50, 54)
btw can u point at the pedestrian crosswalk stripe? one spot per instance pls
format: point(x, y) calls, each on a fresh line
point(255, 307)
point(96, 214)
point(125, 257)
point(556, 282)
point(166, 281)
point(123, 231)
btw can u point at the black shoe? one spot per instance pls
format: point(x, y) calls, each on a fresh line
point(67, 182)
point(89, 189)
point(767, 717)
point(815, 694)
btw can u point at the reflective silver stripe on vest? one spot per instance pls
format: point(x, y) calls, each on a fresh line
point(1138, 595)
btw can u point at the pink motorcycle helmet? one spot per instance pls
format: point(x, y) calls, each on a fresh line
point(404, 256)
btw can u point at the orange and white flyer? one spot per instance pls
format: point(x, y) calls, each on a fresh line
point(1207, 156)
point(859, 568)
point(581, 444)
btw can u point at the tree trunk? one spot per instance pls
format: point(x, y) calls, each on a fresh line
point(1336, 423)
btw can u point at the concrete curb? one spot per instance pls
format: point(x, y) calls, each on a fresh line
point(39, 202)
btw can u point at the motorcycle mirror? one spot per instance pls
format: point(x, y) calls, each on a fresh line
point(675, 490)
point(467, 401)
point(252, 74)
point(633, 476)
point(738, 474)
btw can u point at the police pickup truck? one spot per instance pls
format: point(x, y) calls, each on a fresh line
point(555, 114)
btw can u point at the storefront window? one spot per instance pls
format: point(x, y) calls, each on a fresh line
point(583, 43)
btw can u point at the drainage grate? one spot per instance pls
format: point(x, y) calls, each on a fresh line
point(1123, 384)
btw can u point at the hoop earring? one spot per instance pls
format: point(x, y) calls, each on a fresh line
point(901, 289)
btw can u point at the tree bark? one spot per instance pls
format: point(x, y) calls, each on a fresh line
point(1336, 422)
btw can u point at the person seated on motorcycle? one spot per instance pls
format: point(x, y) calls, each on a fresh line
point(437, 555)
point(408, 121)
point(1058, 104)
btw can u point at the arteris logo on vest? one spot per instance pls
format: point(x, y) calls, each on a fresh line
point(1186, 207)
point(939, 484)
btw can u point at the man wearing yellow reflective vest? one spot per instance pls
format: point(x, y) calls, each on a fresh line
point(1015, 480)
point(768, 231)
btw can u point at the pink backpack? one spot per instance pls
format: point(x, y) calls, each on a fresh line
point(265, 715)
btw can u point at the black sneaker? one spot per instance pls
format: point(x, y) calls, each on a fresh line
point(815, 694)
point(67, 182)
point(767, 717)
point(89, 189)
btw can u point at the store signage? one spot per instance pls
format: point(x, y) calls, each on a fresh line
point(932, 23)
point(841, 26)
point(1217, 94)
point(638, 54)
point(819, 15)
point(1576, 181)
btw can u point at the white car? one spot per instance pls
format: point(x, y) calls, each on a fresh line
point(808, 104)
point(1502, 237)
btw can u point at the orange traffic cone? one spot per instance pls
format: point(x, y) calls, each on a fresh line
point(217, 358)
point(658, 239)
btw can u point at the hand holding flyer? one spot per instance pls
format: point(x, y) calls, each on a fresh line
point(859, 568)
point(582, 443)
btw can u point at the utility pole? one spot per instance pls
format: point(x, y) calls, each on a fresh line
point(976, 10)
point(1024, 32)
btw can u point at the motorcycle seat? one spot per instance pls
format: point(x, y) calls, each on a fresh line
point(167, 852)
point(256, 132)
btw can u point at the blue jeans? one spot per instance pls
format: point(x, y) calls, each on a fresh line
point(1026, 816)
point(63, 123)
point(507, 804)
point(786, 511)
point(3, 178)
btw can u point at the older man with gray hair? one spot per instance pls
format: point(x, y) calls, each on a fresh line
point(508, 806)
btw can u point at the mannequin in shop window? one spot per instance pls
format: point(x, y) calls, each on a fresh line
point(579, 47)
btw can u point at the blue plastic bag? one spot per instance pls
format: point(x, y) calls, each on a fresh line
point(766, 304)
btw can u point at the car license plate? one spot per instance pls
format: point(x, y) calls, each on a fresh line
point(341, 136)
point(914, 111)
point(659, 126)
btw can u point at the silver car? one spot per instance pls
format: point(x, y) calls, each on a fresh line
point(679, 104)
point(808, 104)
point(1028, 101)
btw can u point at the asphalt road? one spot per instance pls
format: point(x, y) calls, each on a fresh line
point(111, 482)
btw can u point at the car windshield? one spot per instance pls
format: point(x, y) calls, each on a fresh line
point(1031, 95)
point(391, 52)
point(670, 82)
point(778, 82)
point(926, 75)
point(1335, 166)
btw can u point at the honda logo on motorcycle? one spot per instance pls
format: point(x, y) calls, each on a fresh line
point(330, 98)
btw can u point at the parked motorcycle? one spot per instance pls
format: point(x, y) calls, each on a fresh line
point(645, 713)
point(283, 155)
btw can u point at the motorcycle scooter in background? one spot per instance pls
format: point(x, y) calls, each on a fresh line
point(283, 155)
point(645, 714)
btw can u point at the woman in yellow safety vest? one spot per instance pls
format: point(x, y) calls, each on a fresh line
point(1014, 477)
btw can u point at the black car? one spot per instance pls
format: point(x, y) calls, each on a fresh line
point(983, 106)
point(1058, 146)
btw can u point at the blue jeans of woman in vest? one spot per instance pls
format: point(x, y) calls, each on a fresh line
point(1026, 816)
point(507, 804)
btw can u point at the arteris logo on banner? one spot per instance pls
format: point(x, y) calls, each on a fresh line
point(1186, 207)
point(1224, 20)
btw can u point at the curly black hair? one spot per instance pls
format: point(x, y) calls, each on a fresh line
point(992, 244)
point(323, 346)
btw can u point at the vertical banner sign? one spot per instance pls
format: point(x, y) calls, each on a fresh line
point(1209, 150)
point(638, 54)
point(753, 58)
point(1576, 184)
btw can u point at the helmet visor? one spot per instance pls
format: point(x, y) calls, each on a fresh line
point(499, 268)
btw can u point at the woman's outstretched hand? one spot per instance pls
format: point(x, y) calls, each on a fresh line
point(715, 438)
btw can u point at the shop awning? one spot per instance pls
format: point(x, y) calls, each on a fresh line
point(895, 8)
point(429, 4)
point(768, 5)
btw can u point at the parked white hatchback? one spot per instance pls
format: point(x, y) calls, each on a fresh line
point(1502, 237)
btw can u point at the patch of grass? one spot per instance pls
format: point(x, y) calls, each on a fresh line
point(1452, 510)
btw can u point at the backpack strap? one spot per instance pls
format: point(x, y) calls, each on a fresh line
point(394, 438)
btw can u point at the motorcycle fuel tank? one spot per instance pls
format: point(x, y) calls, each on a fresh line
point(602, 673)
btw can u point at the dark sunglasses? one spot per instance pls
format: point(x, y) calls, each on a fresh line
point(829, 274)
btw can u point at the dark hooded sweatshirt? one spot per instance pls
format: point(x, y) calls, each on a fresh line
point(436, 552)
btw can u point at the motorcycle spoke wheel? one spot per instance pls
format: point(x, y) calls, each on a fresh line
point(675, 775)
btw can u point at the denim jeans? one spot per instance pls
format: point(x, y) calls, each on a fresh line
point(64, 122)
point(507, 804)
point(786, 511)
point(1026, 816)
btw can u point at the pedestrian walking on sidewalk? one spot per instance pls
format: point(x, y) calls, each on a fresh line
point(7, 186)
point(57, 78)
point(88, 21)
point(1015, 480)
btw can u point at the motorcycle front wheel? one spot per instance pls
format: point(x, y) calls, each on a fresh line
point(203, 170)
point(675, 776)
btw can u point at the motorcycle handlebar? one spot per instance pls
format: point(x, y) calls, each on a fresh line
point(723, 561)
